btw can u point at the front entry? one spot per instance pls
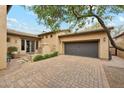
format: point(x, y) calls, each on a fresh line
point(30, 46)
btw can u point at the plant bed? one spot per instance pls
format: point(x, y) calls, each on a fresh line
point(46, 56)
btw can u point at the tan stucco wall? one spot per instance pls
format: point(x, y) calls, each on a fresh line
point(50, 44)
point(15, 40)
point(3, 30)
point(103, 45)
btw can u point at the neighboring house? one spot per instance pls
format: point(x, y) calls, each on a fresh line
point(120, 42)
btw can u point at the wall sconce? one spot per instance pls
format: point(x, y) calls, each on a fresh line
point(104, 39)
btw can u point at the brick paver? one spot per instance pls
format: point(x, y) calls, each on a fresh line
point(115, 62)
point(62, 71)
point(114, 70)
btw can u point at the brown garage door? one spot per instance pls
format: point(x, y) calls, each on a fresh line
point(88, 49)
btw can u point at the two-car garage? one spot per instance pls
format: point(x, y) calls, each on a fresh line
point(93, 43)
point(88, 49)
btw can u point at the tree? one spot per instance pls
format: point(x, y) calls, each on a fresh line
point(94, 26)
point(53, 16)
point(118, 30)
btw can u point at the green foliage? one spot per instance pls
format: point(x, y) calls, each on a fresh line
point(12, 49)
point(52, 15)
point(46, 56)
point(54, 54)
point(38, 57)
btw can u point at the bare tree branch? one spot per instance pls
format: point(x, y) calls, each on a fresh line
point(101, 22)
point(79, 16)
point(108, 32)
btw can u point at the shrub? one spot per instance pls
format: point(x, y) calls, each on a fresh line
point(41, 57)
point(55, 53)
point(38, 58)
point(10, 50)
point(47, 56)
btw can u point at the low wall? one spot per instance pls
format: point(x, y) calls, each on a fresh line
point(120, 53)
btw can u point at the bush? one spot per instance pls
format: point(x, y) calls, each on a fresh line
point(10, 50)
point(41, 57)
point(38, 58)
point(47, 56)
point(55, 53)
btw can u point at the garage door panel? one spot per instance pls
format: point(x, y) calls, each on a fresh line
point(88, 49)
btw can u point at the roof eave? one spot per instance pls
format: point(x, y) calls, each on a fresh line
point(86, 32)
point(8, 8)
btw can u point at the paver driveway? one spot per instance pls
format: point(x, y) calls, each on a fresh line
point(62, 71)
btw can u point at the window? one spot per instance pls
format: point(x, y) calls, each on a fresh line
point(8, 39)
point(36, 44)
point(51, 36)
point(22, 44)
point(32, 46)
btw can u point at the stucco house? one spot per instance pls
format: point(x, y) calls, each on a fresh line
point(25, 42)
point(87, 43)
point(93, 43)
point(50, 41)
point(28, 43)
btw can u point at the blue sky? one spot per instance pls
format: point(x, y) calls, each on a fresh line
point(24, 20)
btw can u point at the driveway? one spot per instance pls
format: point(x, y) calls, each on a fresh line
point(114, 70)
point(62, 71)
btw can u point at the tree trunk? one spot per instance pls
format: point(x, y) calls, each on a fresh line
point(108, 32)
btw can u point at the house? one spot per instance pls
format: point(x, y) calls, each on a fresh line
point(24, 42)
point(29, 43)
point(94, 43)
point(119, 39)
point(50, 41)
